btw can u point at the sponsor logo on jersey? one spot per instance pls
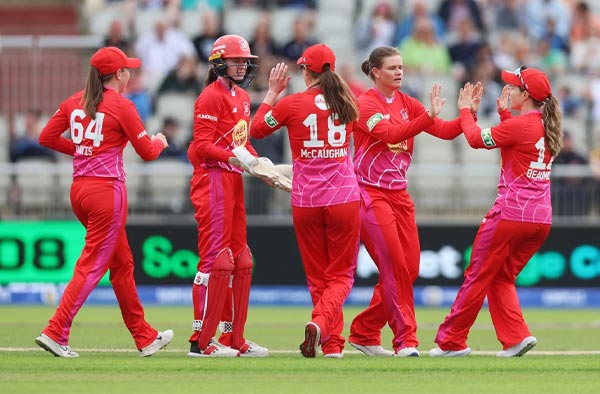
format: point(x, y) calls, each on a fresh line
point(373, 120)
point(240, 133)
point(207, 117)
point(486, 136)
point(399, 147)
point(142, 134)
point(320, 102)
point(270, 120)
point(246, 108)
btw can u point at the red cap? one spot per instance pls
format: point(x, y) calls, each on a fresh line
point(316, 56)
point(108, 60)
point(534, 81)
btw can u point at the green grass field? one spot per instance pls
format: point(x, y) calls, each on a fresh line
point(566, 360)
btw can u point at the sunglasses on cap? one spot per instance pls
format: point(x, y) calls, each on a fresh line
point(517, 72)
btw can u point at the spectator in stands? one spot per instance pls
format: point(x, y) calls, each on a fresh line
point(116, 37)
point(160, 50)
point(262, 45)
point(519, 222)
point(26, 145)
point(183, 79)
point(570, 193)
point(357, 86)
point(301, 39)
point(383, 143)
point(508, 15)
point(211, 30)
point(538, 12)
point(583, 23)
point(464, 51)
point(406, 26)
point(101, 123)
point(570, 104)
point(171, 128)
point(377, 29)
point(139, 95)
point(453, 12)
point(422, 53)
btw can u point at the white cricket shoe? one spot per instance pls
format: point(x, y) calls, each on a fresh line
point(48, 344)
point(213, 349)
point(407, 352)
point(334, 355)
point(162, 339)
point(519, 349)
point(373, 350)
point(437, 352)
point(254, 350)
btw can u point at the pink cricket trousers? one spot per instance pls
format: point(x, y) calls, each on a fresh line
point(100, 204)
point(328, 239)
point(389, 232)
point(501, 250)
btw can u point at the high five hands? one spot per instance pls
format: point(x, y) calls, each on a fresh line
point(469, 96)
point(436, 101)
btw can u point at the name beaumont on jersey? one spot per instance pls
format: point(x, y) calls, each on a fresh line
point(323, 153)
point(538, 175)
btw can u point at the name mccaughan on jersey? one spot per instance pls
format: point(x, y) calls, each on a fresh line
point(323, 153)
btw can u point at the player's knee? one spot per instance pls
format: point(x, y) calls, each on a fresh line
point(244, 260)
point(222, 265)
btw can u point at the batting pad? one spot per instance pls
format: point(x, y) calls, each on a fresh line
point(263, 168)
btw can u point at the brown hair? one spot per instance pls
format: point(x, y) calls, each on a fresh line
point(338, 95)
point(552, 119)
point(94, 91)
point(210, 77)
point(376, 58)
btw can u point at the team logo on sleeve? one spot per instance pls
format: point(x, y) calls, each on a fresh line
point(240, 133)
point(373, 120)
point(486, 136)
point(270, 119)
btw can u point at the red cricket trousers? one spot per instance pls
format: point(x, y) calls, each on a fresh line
point(101, 206)
point(218, 199)
point(501, 250)
point(328, 239)
point(389, 233)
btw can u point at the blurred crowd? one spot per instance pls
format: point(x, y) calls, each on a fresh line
point(469, 40)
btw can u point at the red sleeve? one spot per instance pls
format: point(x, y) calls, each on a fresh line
point(489, 138)
point(136, 133)
point(381, 128)
point(268, 120)
point(505, 115)
point(205, 126)
point(51, 135)
point(445, 129)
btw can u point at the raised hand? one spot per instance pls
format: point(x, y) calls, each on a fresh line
point(278, 79)
point(502, 101)
point(476, 97)
point(465, 96)
point(436, 101)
